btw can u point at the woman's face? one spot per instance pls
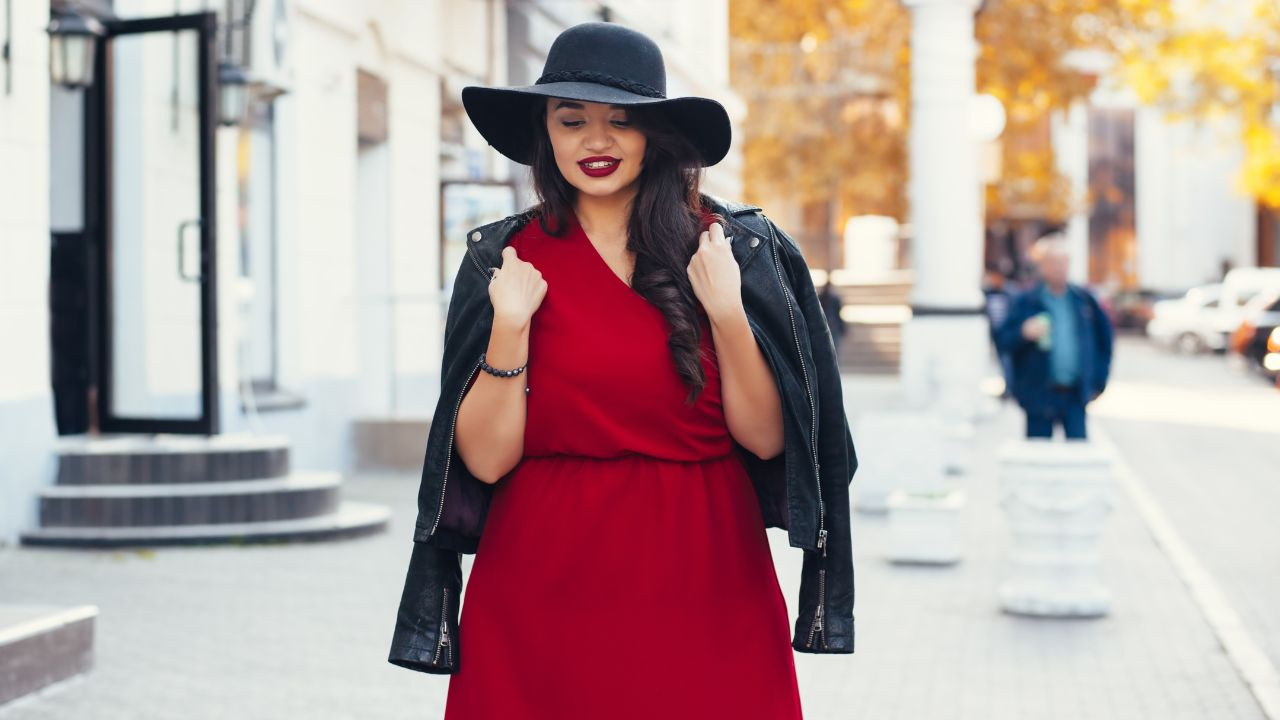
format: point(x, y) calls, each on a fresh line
point(597, 150)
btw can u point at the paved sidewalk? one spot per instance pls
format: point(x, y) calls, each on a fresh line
point(301, 630)
point(933, 643)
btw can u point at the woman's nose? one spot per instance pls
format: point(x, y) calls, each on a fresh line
point(598, 137)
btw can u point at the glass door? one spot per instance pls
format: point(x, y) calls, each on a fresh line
point(156, 113)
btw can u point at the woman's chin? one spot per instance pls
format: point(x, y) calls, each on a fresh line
point(603, 189)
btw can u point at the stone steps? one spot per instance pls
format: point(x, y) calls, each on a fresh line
point(170, 489)
point(874, 348)
point(350, 519)
point(293, 496)
point(875, 312)
point(131, 459)
point(41, 644)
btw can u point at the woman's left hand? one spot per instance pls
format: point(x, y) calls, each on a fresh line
point(715, 276)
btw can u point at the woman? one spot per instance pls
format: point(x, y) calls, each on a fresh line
point(624, 570)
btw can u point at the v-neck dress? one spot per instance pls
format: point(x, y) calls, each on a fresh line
point(624, 570)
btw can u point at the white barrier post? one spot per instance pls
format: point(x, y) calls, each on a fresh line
point(1056, 496)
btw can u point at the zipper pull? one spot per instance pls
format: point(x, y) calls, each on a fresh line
point(817, 618)
point(822, 541)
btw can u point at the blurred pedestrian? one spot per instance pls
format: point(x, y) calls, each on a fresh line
point(831, 304)
point(996, 306)
point(1060, 342)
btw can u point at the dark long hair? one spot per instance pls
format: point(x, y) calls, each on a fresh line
point(666, 219)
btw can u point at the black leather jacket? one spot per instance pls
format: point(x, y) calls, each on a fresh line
point(804, 490)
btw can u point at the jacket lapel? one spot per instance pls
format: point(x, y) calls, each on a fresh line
point(485, 243)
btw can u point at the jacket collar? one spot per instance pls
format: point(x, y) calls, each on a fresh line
point(485, 242)
point(1042, 288)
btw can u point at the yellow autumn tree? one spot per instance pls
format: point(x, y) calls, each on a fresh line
point(1220, 59)
point(825, 84)
point(828, 91)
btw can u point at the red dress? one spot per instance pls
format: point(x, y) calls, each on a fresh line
point(624, 571)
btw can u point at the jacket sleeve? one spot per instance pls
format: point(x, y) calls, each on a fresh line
point(1105, 341)
point(1008, 336)
point(826, 580)
point(425, 636)
point(426, 630)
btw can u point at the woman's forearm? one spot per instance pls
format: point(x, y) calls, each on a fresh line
point(749, 392)
point(490, 432)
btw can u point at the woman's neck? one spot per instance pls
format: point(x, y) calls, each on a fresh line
point(605, 218)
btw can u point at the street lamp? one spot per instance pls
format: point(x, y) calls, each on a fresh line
point(72, 45)
point(986, 117)
point(233, 95)
point(986, 123)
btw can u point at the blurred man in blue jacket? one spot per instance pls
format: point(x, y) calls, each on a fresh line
point(1060, 341)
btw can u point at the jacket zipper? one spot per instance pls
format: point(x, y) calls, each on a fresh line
point(817, 624)
point(818, 615)
point(454, 424)
point(444, 644)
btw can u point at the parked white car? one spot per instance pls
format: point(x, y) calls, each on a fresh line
point(1191, 323)
point(1206, 316)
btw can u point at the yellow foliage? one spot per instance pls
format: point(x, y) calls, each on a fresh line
point(1204, 65)
point(826, 87)
point(802, 63)
point(1261, 173)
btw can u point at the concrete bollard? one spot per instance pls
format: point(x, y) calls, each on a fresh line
point(1056, 496)
point(899, 449)
point(957, 444)
point(925, 527)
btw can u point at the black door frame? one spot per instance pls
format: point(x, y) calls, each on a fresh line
point(98, 124)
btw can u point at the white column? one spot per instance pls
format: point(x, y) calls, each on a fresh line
point(1071, 152)
point(945, 213)
point(945, 343)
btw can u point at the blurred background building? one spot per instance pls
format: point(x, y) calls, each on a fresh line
point(1147, 131)
point(229, 239)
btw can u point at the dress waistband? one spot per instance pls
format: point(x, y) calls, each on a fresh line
point(629, 456)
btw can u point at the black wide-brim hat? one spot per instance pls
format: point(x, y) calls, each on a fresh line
point(602, 63)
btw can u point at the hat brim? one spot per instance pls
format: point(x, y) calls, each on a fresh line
point(499, 114)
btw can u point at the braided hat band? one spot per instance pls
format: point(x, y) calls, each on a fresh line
point(600, 78)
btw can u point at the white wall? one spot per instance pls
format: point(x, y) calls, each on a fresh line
point(24, 211)
point(26, 404)
point(333, 349)
point(1190, 213)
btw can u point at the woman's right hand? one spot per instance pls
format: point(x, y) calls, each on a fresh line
point(516, 290)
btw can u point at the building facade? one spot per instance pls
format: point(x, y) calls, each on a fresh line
point(284, 276)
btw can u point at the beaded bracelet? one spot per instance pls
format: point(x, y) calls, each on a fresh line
point(500, 373)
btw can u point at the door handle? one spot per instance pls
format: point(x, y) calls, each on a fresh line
point(182, 250)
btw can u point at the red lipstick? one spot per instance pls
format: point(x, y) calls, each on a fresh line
point(601, 168)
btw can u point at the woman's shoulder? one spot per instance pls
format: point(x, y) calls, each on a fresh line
point(748, 215)
point(728, 208)
point(528, 230)
point(513, 228)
